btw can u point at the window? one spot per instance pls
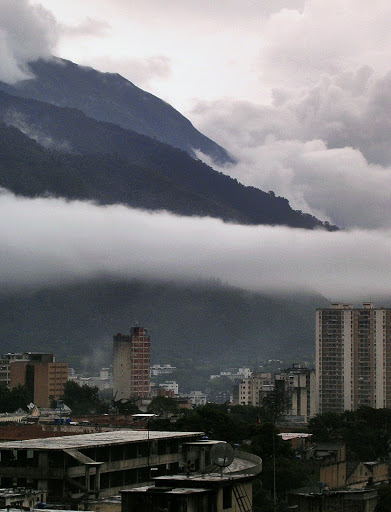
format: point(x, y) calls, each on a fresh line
point(227, 497)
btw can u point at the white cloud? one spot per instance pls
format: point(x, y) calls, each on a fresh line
point(142, 71)
point(88, 27)
point(326, 148)
point(326, 37)
point(27, 32)
point(50, 240)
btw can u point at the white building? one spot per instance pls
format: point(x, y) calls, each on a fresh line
point(241, 373)
point(170, 385)
point(197, 398)
point(103, 381)
point(161, 369)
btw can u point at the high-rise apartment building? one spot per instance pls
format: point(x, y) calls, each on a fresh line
point(353, 357)
point(132, 359)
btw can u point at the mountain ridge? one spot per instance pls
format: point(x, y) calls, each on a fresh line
point(76, 134)
point(109, 97)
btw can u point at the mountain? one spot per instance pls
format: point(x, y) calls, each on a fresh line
point(28, 169)
point(59, 149)
point(204, 321)
point(110, 97)
point(79, 157)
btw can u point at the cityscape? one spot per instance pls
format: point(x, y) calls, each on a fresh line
point(195, 244)
point(128, 434)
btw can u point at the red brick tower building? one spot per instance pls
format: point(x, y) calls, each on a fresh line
point(132, 360)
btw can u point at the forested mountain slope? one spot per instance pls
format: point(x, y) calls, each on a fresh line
point(90, 159)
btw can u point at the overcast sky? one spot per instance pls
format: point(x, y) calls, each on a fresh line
point(298, 90)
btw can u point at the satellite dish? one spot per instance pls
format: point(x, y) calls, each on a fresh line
point(222, 454)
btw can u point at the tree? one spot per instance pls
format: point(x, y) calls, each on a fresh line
point(20, 397)
point(215, 421)
point(274, 405)
point(128, 407)
point(246, 413)
point(366, 432)
point(163, 405)
point(11, 400)
point(275, 453)
point(219, 384)
point(83, 399)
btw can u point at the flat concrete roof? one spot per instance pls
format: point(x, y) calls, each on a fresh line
point(92, 440)
point(155, 491)
point(198, 479)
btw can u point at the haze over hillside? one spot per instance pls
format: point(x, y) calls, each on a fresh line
point(205, 321)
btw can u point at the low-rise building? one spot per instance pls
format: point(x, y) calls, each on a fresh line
point(170, 385)
point(200, 489)
point(21, 498)
point(314, 500)
point(197, 398)
point(215, 493)
point(73, 468)
point(363, 474)
point(161, 369)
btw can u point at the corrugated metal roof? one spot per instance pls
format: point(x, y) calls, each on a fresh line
point(91, 440)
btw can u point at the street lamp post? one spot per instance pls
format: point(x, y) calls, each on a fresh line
point(148, 417)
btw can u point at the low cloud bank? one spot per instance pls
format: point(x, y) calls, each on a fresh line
point(48, 241)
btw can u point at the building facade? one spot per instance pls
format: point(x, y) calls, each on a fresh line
point(300, 384)
point(40, 373)
point(353, 357)
point(197, 398)
point(170, 385)
point(74, 468)
point(132, 360)
point(252, 389)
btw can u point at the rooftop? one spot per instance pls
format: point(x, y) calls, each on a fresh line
point(167, 490)
point(287, 436)
point(91, 440)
